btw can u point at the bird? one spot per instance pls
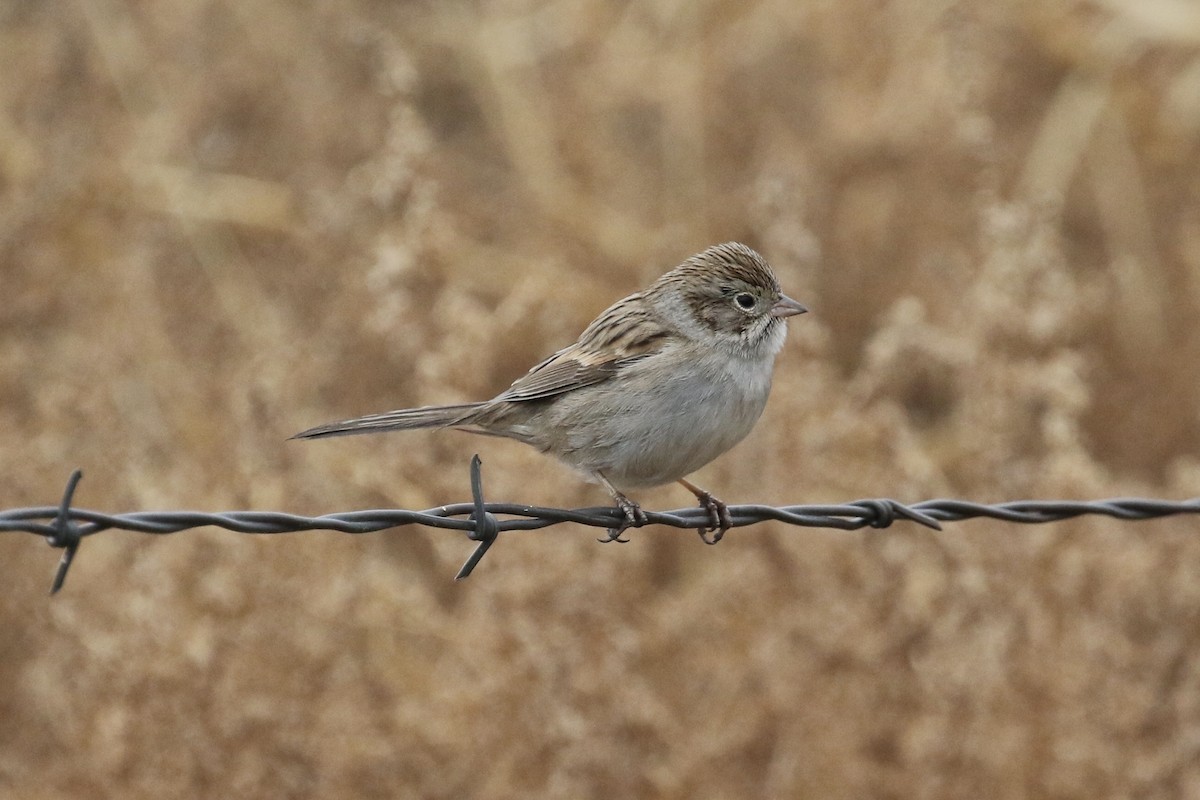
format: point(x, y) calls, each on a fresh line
point(658, 385)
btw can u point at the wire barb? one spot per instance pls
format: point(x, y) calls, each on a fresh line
point(884, 512)
point(64, 526)
point(66, 535)
point(486, 528)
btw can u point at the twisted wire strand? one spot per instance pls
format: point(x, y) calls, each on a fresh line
point(64, 526)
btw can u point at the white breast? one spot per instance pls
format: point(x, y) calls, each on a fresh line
point(667, 416)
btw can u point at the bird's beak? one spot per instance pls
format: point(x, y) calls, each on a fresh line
point(786, 307)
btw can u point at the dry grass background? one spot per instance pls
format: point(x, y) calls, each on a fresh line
point(222, 222)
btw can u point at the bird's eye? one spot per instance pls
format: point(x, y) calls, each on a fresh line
point(745, 300)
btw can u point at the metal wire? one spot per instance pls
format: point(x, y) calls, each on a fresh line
point(64, 526)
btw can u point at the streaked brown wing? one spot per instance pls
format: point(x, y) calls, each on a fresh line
point(622, 335)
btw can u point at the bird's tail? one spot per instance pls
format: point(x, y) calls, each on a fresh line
point(403, 420)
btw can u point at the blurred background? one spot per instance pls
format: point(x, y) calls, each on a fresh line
point(224, 221)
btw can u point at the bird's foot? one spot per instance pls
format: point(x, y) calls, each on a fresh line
point(718, 515)
point(634, 518)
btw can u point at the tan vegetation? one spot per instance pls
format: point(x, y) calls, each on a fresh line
point(222, 222)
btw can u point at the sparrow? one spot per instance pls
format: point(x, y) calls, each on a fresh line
point(661, 383)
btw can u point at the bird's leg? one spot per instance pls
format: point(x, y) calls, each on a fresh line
point(718, 513)
point(634, 516)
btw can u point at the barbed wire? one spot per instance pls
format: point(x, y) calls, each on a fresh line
point(64, 526)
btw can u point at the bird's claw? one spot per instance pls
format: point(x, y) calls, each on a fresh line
point(718, 517)
point(634, 518)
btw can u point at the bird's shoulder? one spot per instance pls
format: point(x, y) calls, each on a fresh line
point(626, 332)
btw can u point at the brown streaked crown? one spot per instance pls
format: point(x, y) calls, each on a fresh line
point(732, 260)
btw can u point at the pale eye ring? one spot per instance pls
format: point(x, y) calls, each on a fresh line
point(745, 300)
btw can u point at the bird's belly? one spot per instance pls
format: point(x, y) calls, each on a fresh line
point(662, 432)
